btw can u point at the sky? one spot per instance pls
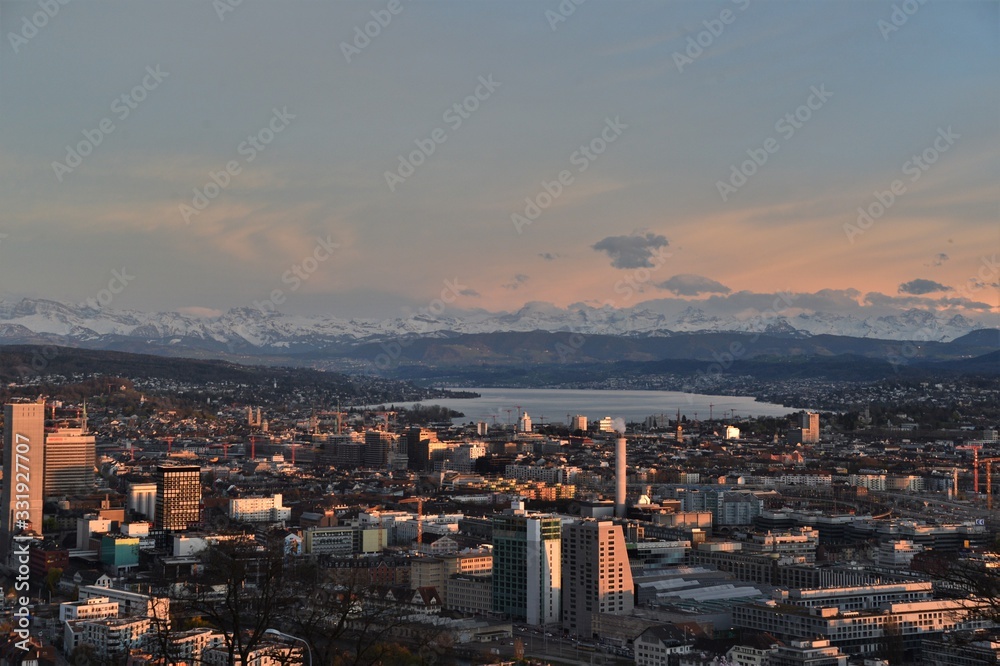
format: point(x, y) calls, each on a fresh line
point(363, 159)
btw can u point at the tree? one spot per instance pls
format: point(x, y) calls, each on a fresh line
point(240, 589)
point(52, 579)
point(349, 621)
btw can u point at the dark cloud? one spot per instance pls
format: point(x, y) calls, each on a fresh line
point(689, 284)
point(548, 256)
point(633, 251)
point(938, 260)
point(470, 292)
point(920, 287)
point(517, 281)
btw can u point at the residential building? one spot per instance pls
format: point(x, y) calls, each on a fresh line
point(808, 653)
point(659, 645)
point(259, 509)
point(113, 638)
point(93, 608)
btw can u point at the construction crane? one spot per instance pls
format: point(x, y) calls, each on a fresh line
point(988, 463)
point(975, 463)
point(419, 501)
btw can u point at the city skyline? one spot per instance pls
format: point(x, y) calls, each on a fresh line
point(360, 160)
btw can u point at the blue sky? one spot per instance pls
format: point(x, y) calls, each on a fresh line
point(659, 206)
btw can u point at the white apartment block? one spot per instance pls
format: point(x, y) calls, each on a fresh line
point(259, 509)
point(93, 608)
point(112, 638)
point(266, 654)
point(129, 603)
point(188, 646)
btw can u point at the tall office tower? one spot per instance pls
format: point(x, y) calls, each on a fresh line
point(809, 422)
point(578, 422)
point(377, 445)
point(596, 574)
point(620, 485)
point(178, 497)
point(69, 461)
point(527, 571)
point(24, 470)
point(807, 430)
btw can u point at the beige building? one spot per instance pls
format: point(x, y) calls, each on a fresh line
point(24, 470)
point(69, 462)
point(596, 574)
point(468, 593)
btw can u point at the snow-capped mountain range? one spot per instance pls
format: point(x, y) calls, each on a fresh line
point(33, 321)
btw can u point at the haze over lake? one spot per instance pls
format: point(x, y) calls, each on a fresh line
point(555, 404)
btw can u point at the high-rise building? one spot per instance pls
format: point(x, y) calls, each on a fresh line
point(807, 430)
point(620, 478)
point(69, 462)
point(178, 497)
point(24, 469)
point(377, 446)
point(596, 574)
point(527, 571)
point(578, 422)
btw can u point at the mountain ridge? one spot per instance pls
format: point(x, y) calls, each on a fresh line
point(249, 331)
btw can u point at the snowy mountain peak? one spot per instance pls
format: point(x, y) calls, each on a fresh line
point(28, 320)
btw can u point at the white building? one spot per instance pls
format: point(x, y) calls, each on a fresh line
point(259, 509)
point(188, 646)
point(746, 655)
point(87, 526)
point(265, 654)
point(861, 632)
point(898, 554)
point(656, 646)
point(88, 609)
point(112, 638)
point(129, 603)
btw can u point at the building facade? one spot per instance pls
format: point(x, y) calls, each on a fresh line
point(69, 462)
point(178, 497)
point(24, 470)
point(527, 571)
point(596, 574)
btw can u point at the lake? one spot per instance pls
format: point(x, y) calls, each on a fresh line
point(556, 404)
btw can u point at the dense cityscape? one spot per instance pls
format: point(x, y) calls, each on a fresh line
point(494, 333)
point(149, 529)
